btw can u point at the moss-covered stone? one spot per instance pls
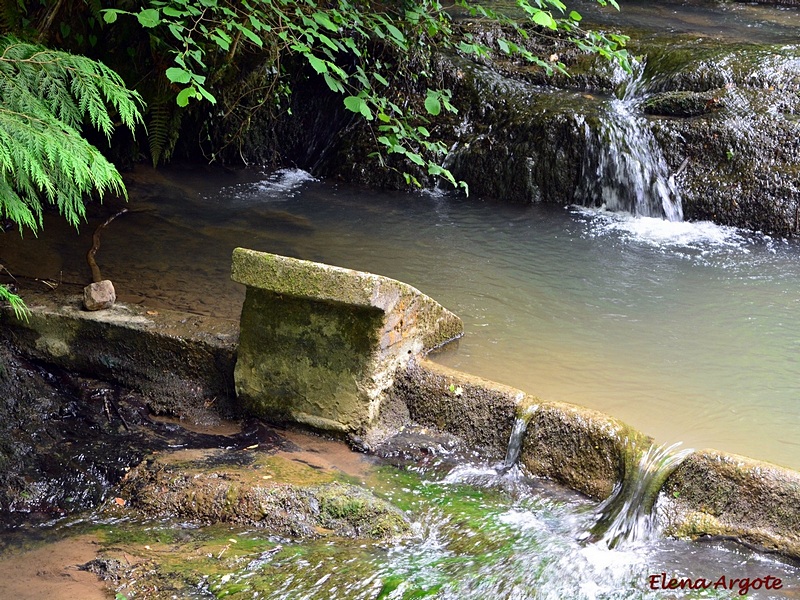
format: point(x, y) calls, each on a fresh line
point(581, 448)
point(713, 493)
point(319, 345)
point(282, 496)
point(478, 411)
point(681, 104)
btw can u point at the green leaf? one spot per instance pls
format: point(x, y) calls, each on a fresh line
point(366, 112)
point(319, 65)
point(223, 39)
point(323, 20)
point(110, 15)
point(544, 19)
point(396, 33)
point(334, 84)
point(433, 105)
point(251, 36)
point(148, 17)
point(206, 94)
point(185, 95)
point(380, 79)
point(504, 46)
point(354, 103)
point(575, 16)
point(178, 75)
point(415, 158)
point(170, 11)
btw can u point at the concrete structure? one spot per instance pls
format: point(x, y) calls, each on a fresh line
point(320, 345)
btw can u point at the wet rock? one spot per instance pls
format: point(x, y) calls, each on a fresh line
point(723, 115)
point(478, 411)
point(581, 448)
point(99, 295)
point(717, 494)
point(681, 104)
point(273, 493)
point(182, 363)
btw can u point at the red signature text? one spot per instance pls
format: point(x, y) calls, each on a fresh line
point(742, 585)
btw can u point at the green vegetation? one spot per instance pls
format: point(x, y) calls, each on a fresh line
point(365, 52)
point(47, 95)
point(226, 70)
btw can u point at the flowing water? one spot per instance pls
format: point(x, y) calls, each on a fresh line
point(685, 331)
point(479, 536)
point(631, 173)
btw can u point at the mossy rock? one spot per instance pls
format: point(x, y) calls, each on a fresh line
point(282, 496)
point(718, 494)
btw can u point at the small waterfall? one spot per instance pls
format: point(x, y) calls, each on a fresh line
point(627, 515)
point(625, 169)
point(515, 439)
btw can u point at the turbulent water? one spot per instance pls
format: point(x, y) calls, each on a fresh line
point(478, 534)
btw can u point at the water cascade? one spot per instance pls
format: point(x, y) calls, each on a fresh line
point(627, 516)
point(515, 439)
point(624, 168)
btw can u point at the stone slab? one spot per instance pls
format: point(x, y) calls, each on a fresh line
point(182, 362)
point(320, 344)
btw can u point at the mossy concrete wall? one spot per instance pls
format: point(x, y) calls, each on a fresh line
point(578, 447)
point(320, 345)
point(717, 494)
point(182, 363)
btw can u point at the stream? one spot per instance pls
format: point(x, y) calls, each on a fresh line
point(686, 331)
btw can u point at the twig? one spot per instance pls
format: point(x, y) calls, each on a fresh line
point(115, 406)
point(96, 276)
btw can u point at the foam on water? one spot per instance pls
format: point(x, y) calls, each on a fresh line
point(667, 235)
point(280, 185)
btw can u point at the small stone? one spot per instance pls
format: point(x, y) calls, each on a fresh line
point(99, 295)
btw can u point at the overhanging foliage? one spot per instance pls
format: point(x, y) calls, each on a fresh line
point(47, 95)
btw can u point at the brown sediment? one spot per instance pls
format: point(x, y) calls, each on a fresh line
point(52, 572)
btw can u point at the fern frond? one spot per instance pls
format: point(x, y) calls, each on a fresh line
point(45, 97)
point(158, 129)
point(20, 310)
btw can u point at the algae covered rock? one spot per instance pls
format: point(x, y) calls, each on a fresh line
point(277, 494)
point(717, 494)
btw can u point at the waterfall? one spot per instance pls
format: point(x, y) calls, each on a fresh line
point(627, 515)
point(624, 168)
point(515, 439)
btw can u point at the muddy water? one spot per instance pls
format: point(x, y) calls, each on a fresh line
point(52, 572)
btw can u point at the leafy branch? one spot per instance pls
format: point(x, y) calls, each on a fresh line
point(45, 98)
point(358, 49)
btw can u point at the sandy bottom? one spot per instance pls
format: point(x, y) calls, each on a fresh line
point(326, 455)
point(52, 572)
